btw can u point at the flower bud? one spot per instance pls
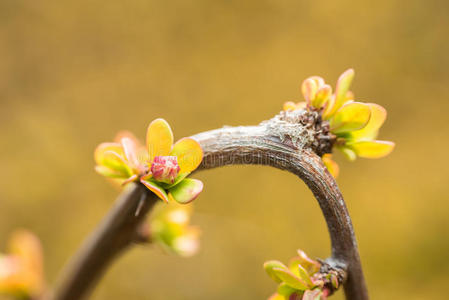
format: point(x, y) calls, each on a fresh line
point(165, 168)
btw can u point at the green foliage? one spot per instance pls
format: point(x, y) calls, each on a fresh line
point(300, 280)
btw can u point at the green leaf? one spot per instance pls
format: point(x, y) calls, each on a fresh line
point(305, 276)
point(155, 188)
point(111, 164)
point(369, 132)
point(107, 172)
point(103, 147)
point(186, 191)
point(322, 96)
point(116, 162)
point(178, 179)
point(347, 152)
point(351, 116)
point(189, 154)
point(159, 138)
point(334, 280)
point(372, 149)
point(270, 265)
point(290, 279)
point(311, 266)
point(343, 84)
point(285, 290)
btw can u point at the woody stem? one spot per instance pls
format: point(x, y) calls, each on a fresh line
point(226, 146)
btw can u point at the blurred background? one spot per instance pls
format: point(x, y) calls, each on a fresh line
point(73, 73)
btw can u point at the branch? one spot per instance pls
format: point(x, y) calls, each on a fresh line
point(271, 143)
point(116, 232)
point(255, 145)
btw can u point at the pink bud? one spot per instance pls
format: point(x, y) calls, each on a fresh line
point(165, 168)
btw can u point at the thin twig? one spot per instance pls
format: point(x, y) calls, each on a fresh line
point(266, 144)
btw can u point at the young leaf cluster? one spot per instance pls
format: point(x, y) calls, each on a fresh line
point(354, 124)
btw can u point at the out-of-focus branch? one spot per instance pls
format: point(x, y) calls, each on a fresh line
point(115, 233)
point(266, 144)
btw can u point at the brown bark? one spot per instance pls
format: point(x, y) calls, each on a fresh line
point(273, 143)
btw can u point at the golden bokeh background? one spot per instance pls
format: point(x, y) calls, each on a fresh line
point(73, 73)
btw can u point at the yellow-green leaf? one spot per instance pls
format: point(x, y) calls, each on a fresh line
point(189, 154)
point(328, 108)
point(103, 147)
point(155, 188)
point(290, 279)
point(116, 162)
point(159, 138)
point(350, 117)
point(186, 191)
point(322, 96)
point(178, 179)
point(293, 265)
point(347, 152)
point(107, 172)
point(305, 276)
point(270, 265)
point(298, 265)
point(311, 266)
point(343, 84)
point(372, 149)
point(334, 281)
point(369, 132)
point(285, 290)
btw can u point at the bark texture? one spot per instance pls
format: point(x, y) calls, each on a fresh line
point(288, 142)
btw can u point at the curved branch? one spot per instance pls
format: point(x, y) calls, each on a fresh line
point(227, 146)
point(254, 145)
